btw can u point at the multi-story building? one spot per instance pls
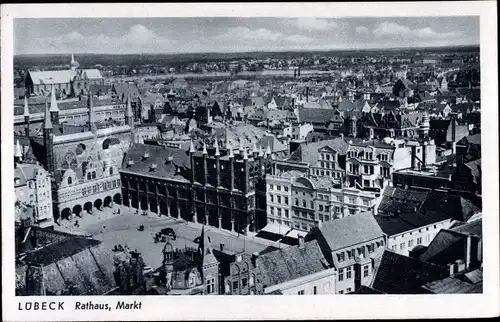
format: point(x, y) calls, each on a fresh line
point(411, 219)
point(370, 164)
point(351, 246)
point(213, 186)
point(32, 185)
point(302, 202)
point(83, 160)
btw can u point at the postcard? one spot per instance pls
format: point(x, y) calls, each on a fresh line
point(249, 161)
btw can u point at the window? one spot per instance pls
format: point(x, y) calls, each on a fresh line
point(341, 292)
point(341, 275)
point(272, 198)
point(279, 212)
point(279, 199)
point(286, 189)
point(304, 204)
point(365, 271)
point(312, 204)
point(89, 176)
point(235, 285)
point(327, 208)
point(286, 200)
point(210, 282)
point(315, 290)
point(270, 187)
point(410, 243)
point(327, 218)
point(271, 210)
point(296, 202)
point(320, 207)
point(243, 282)
point(419, 241)
point(70, 180)
point(252, 279)
point(111, 171)
point(366, 202)
point(350, 254)
point(278, 188)
point(341, 257)
point(93, 175)
point(300, 292)
point(402, 246)
point(286, 213)
point(348, 290)
point(349, 272)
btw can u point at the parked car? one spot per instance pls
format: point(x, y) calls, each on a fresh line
point(169, 232)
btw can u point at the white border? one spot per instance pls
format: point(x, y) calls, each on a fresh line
point(272, 307)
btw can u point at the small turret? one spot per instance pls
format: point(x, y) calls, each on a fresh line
point(217, 152)
point(230, 150)
point(18, 152)
point(47, 124)
point(268, 150)
point(74, 64)
point(204, 148)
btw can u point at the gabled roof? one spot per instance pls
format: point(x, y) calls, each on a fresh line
point(398, 274)
point(350, 231)
point(309, 152)
point(315, 115)
point(290, 263)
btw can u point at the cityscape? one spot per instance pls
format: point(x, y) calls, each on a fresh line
point(253, 161)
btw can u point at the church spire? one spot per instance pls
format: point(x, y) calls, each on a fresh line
point(74, 64)
point(205, 249)
point(53, 100)
point(217, 152)
point(47, 124)
point(26, 108)
point(18, 153)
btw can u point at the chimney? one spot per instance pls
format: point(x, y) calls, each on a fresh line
point(254, 259)
point(460, 263)
point(221, 247)
point(424, 155)
point(413, 155)
point(301, 240)
point(453, 130)
point(451, 267)
point(468, 252)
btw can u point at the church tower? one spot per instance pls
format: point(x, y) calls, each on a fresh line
point(209, 266)
point(129, 116)
point(48, 139)
point(74, 64)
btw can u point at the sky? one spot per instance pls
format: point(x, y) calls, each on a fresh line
point(198, 35)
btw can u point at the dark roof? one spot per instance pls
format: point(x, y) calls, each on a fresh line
point(454, 285)
point(290, 263)
point(398, 274)
point(315, 115)
point(365, 290)
point(62, 249)
point(158, 155)
point(473, 228)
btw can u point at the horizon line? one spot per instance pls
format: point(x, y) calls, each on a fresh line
point(263, 51)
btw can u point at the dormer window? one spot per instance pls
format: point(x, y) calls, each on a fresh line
point(152, 167)
point(146, 155)
point(111, 171)
point(130, 162)
point(70, 180)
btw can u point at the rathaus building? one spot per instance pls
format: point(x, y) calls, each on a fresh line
point(219, 186)
point(82, 157)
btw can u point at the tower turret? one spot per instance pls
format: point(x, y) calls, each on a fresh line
point(74, 64)
point(168, 256)
point(48, 139)
point(129, 116)
point(54, 109)
point(209, 266)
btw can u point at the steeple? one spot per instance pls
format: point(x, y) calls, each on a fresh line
point(205, 250)
point(53, 101)
point(74, 64)
point(26, 108)
point(47, 123)
point(129, 117)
